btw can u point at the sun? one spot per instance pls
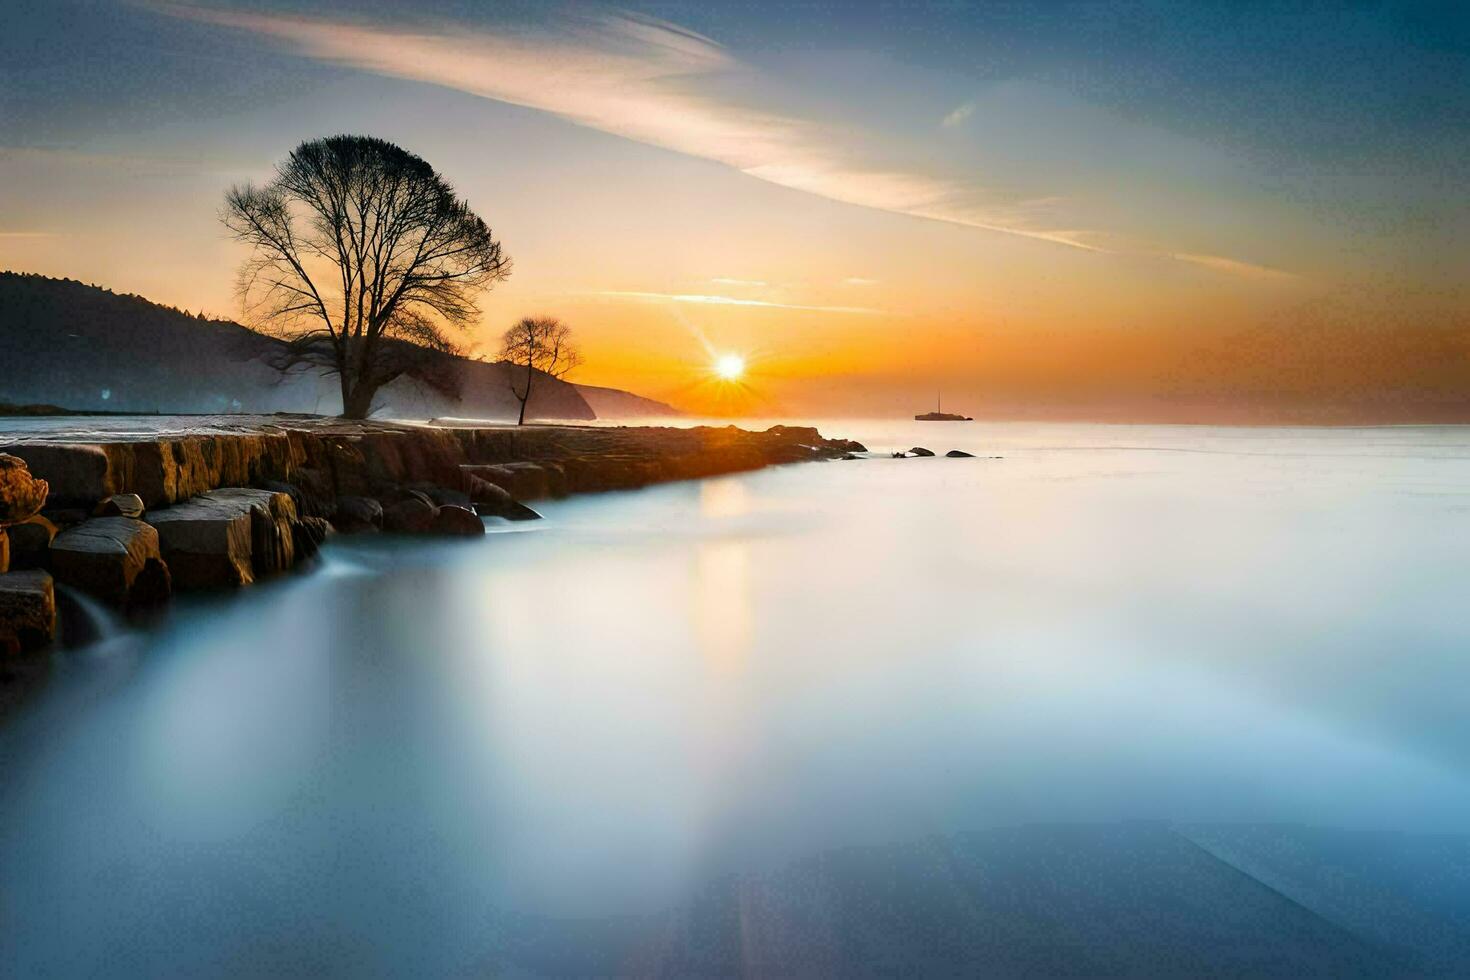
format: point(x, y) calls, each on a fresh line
point(730, 366)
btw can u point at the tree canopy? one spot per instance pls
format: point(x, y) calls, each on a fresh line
point(366, 260)
point(537, 344)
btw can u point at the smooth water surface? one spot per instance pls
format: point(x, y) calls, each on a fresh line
point(707, 719)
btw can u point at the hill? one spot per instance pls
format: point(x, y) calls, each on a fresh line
point(613, 403)
point(87, 348)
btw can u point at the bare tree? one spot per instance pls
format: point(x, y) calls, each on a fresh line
point(366, 261)
point(537, 344)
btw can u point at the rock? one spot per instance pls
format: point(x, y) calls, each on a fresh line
point(517, 511)
point(959, 454)
point(411, 515)
point(4, 551)
point(79, 474)
point(104, 556)
point(318, 496)
point(348, 468)
point(30, 543)
point(27, 610)
point(311, 492)
point(159, 470)
point(442, 496)
point(848, 456)
point(152, 587)
point(21, 494)
point(457, 520)
point(408, 493)
point(120, 505)
point(921, 451)
point(493, 501)
point(272, 543)
point(791, 453)
point(206, 542)
point(309, 533)
point(357, 514)
point(483, 492)
point(523, 481)
point(289, 489)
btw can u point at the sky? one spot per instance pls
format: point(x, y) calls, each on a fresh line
point(1178, 211)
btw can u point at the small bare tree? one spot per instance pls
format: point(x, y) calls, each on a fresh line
point(365, 261)
point(537, 344)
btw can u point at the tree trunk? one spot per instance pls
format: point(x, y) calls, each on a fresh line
point(358, 400)
point(530, 373)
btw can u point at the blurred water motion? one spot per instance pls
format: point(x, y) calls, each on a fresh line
point(781, 722)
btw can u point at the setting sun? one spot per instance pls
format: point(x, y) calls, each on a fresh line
point(730, 366)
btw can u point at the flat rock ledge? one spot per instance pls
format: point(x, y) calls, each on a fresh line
point(220, 502)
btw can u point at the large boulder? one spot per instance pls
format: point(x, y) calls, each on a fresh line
point(105, 556)
point(272, 541)
point(27, 610)
point(206, 542)
point(921, 451)
point(959, 454)
point(227, 537)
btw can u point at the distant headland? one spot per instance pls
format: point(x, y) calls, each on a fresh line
point(72, 347)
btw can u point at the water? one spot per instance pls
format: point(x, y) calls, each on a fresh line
point(1112, 701)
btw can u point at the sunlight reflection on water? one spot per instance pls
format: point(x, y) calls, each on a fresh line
point(595, 713)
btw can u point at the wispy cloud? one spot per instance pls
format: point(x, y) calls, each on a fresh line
point(959, 115)
point(1235, 267)
point(736, 301)
point(859, 281)
point(723, 281)
point(657, 83)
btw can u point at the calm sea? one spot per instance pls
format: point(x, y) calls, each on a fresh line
point(1103, 699)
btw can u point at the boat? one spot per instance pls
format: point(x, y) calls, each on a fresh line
point(938, 415)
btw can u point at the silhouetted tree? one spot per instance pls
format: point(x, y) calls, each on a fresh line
point(537, 344)
point(365, 260)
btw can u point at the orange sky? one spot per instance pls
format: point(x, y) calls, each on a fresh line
point(864, 229)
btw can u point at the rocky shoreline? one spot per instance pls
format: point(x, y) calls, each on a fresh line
point(131, 517)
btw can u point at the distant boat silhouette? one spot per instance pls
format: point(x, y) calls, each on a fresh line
point(941, 416)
